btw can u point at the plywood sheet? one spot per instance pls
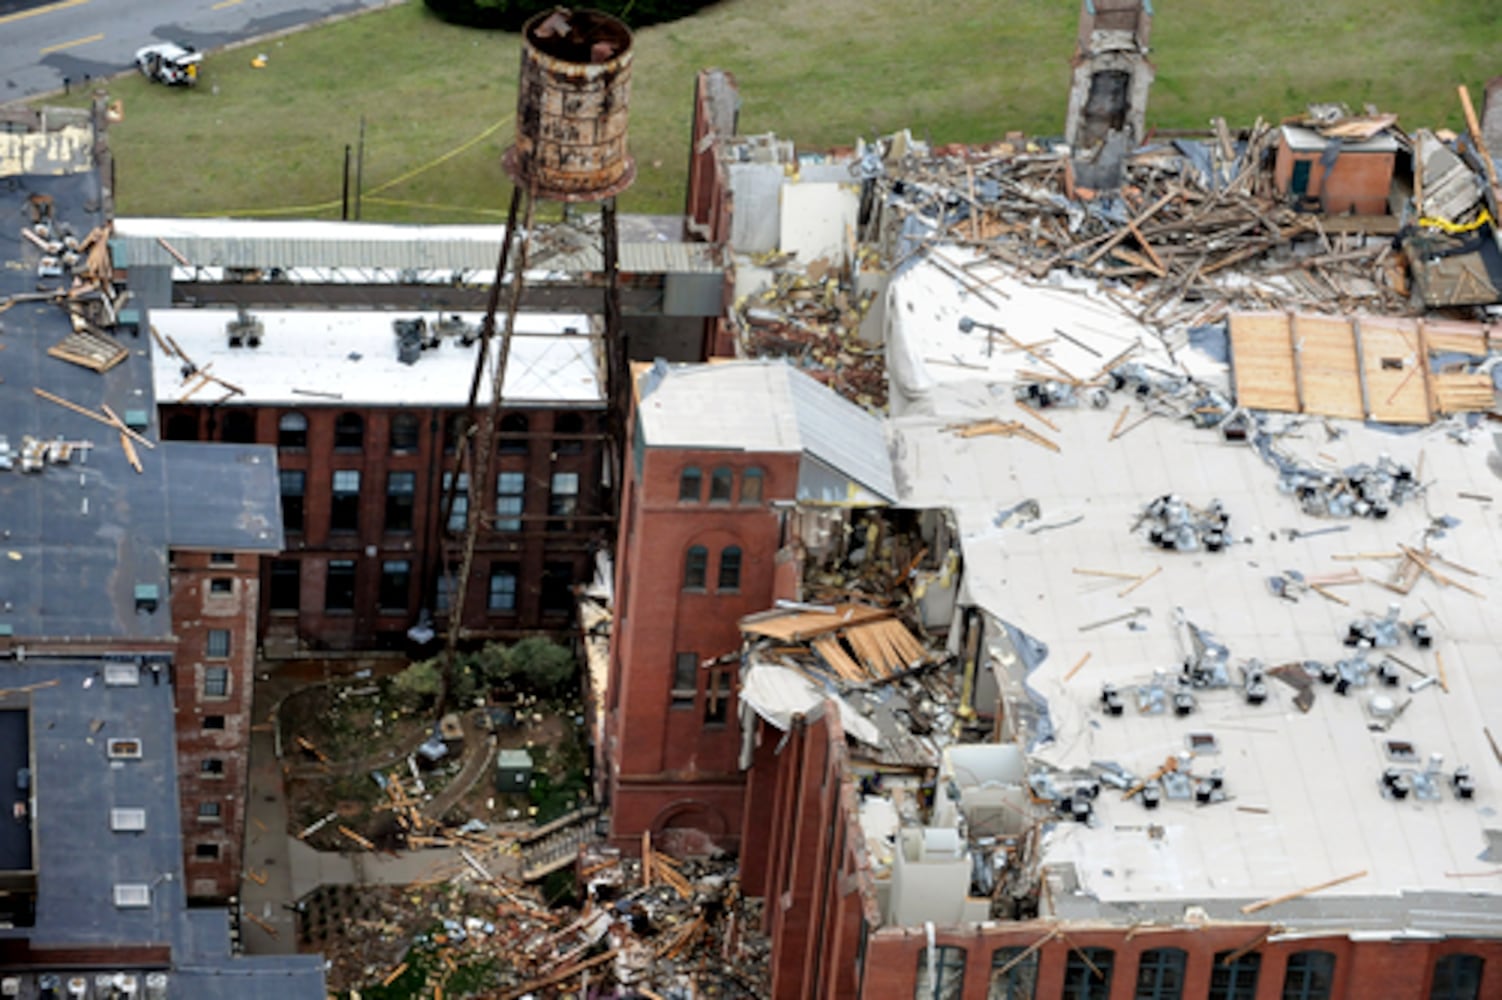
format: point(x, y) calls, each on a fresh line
point(1262, 361)
point(1329, 370)
point(1394, 371)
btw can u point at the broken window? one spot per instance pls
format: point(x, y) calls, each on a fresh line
point(211, 767)
point(730, 568)
point(720, 484)
point(1234, 977)
point(459, 512)
point(717, 695)
point(213, 722)
point(510, 500)
point(685, 679)
point(1160, 974)
point(181, 427)
point(349, 432)
point(396, 583)
point(751, 486)
point(404, 432)
point(339, 588)
point(401, 498)
point(1457, 977)
point(557, 588)
point(294, 486)
point(514, 434)
point(239, 427)
point(568, 434)
point(344, 508)
point(221, 585)
point(941, 975)
point(286, 585)
point(690, 484)
point(1310, 975)
point(216, 682)
point(695, 566)
point(502, 587)
point(221, 558)
point(292, 430)
point(217, 647)
point(206, 852)
point(1014, 974)
point(1087, 974)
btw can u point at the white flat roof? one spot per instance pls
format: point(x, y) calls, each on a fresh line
point(309, 357)
point(1305, 805)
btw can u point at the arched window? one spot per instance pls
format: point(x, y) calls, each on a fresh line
point(1160, 974)
point(568, 434)
point(513, 434)
point(720, 482)
point(404, 431)
point(1014, 974)
point(1087, 973)
point(730, 568)
point(1310, 975)
point(455, 426)
point(751, 485)
point(292, 430)
point(239, 427)
point(349, 432)
point(695, 567)
point(1235, 978)
point(690, 484)
point(1457, 977)
point(941, 974)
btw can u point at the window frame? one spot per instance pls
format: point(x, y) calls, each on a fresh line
point(696, 569)
point(1167, 967)
point(499, 573)
point(1235, 980)
point(752, 496)
point(344, 503)
point(349, 432)
point(403, 428)
point(728, 573)
point(292, 431)
point(210, 811)
point(1014, 974)
point(719, 691)
point(1080, 981)
point(721, 485)
point(507, 519)
point(690, 484)
point(346, 569)
point(514, 434)
point(211, 767)
point(217, 644)
point(685, 686)
point(284, 573)
point(206, 851)
point(458, 520)
point(220, 586)
point(401, 504)
point(1462, 974)
point(388, 588)
point(1302, 972)
point(215, 683)
point(949, 974)
point(294, 501)
point(568, 434)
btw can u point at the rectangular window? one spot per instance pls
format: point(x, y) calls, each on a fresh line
point(222, 585)
point(459, 512)
point(211, 767)
point(401, 495)
point(339, 588)
point(717, 695)
point(1087, 974)
point(1014, 972)
point(510, 500)
point(221, 558)
point(206, 852)
point(213, 722)
point(730, 568)
point(685, 679)
point(1309, 975)
point(557, 588)
point(564, 500)
point(1235, 980)
point(216, 682)
point(286, 585)
point(294, 487)
point(208, 812)
point(344, 508)
point(217, 647)
point(396, 583)
point(502, 587)
point(446, 581)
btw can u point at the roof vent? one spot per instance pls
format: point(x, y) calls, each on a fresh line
point(244, 330)
point(128, 820)
point(125, 749)
point(132, 895)
point(122, 675)
point(148, 596)
point(412, 339)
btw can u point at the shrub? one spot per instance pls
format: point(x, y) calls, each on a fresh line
point(510, 15)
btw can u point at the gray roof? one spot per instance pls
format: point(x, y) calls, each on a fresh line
point(222, 497)
point(770, 406)
point(318, 244)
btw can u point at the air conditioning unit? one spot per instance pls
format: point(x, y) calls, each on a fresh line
point(78, 988)
point(245, 330)
point(10, 986)
point(156, 986)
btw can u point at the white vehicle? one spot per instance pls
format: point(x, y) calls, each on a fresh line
point(169, 63)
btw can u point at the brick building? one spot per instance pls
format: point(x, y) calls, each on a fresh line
point(366, 454)
point(128, 602)
point(707, 489)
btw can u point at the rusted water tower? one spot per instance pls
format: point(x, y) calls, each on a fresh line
point(572, 107)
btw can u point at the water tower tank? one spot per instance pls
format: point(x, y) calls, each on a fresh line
point(571, 108)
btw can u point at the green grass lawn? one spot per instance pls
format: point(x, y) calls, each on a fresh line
point(270, 142)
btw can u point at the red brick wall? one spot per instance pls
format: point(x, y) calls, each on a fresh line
point(198, 610)
point(710, 208)
point(540, 542)
point(1358, 182)
point(663, 759)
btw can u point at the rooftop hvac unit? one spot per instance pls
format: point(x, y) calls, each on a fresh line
point(78, 988)
point(49, 986)
point(122, 675)
point(115, 986)
point(245, 330)
point(411, 337)
point(156, 986)
point(10, 986)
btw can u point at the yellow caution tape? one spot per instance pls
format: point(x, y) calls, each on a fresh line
point(1458, 227)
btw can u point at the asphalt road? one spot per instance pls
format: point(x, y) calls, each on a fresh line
point(45, 46)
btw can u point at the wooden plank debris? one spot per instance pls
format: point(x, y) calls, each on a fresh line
point(1263, 904)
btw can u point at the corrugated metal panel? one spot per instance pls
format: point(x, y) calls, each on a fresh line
point(842, 435)
point(395, 255)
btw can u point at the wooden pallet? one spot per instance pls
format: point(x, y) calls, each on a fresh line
point(89, 349)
